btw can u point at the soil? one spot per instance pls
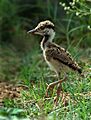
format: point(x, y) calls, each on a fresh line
point(9, 90)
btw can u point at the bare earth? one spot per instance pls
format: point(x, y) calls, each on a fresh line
point(9, 90)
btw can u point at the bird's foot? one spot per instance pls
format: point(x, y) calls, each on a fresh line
point(49, 87)
point(64, 99)
point(56, 101)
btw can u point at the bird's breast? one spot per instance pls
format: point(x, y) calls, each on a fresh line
point(52, 63)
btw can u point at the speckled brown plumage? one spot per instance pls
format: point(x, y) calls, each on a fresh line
point(62, 56)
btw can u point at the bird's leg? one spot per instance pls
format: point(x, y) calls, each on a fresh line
point(51, 85)
point(59, 90)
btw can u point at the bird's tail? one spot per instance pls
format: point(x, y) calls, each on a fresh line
point(76, 67)
point(80, 71)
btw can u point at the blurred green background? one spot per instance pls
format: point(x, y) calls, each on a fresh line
point(18, 16)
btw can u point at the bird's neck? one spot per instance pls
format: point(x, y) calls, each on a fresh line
point(46, 40)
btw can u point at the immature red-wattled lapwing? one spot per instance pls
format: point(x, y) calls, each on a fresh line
point(56, 57)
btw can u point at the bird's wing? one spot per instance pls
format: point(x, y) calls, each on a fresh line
point(58, 53)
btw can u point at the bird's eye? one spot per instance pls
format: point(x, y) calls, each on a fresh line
point(42, 27)
point(39, 28)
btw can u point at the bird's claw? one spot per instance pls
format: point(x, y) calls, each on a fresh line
point(49, 87)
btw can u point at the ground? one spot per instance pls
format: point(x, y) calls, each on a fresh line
point(24, 81)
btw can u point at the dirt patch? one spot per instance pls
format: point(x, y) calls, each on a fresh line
point(9, 90)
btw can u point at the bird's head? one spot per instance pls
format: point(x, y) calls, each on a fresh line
point(44, 28)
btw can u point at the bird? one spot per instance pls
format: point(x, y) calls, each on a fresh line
point(57, 57)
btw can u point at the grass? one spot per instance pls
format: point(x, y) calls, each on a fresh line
point(78, 88)
point(31, 71)
point(34, 75)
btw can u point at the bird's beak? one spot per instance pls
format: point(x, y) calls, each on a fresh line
point(33, 31)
